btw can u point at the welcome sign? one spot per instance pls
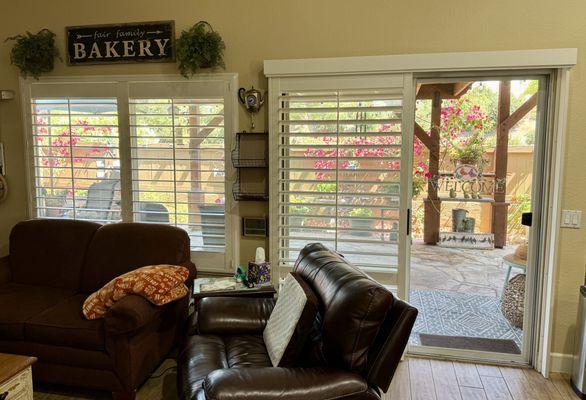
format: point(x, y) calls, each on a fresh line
point(121, 43)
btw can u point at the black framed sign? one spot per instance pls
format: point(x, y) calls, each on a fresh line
point(121, 43)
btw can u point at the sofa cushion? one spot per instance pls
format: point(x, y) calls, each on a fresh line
point(19, 303)
point(50, 252)
point(246, 351)
point(290, 322)
point(350, 302)
point(64, 325)
point(203, 354)
point(120, 248)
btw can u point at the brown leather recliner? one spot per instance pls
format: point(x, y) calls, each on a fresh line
point(53, 266)
point(359, 338)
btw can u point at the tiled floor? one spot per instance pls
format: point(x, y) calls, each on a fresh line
point(415, 379)
point(423, 379)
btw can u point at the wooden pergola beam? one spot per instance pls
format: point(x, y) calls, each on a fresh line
point(500, 206)
point(432, 204)
point(423, 136)
point(460, 88)
point(519, 113)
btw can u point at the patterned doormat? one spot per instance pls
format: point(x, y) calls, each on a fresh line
point(460, 314)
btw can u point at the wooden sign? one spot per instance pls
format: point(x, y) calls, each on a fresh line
point(121, 43)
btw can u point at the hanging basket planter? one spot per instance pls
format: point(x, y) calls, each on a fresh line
point(199, 47)
point(34, 53)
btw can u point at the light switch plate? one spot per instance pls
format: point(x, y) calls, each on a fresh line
point(571, 219)
point(6, 94)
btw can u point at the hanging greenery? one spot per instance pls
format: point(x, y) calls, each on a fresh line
point(34, 54)
point(199, 47)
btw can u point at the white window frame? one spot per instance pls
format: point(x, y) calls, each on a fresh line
point(559, 61)
point(205, 261)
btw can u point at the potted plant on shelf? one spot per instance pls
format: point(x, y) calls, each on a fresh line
point(360, 220)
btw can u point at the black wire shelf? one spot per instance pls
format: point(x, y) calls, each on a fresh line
point(258, 161)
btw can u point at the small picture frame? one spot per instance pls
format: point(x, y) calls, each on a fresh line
point(2, 162)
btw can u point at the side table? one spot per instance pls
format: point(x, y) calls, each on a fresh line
point(16, 379)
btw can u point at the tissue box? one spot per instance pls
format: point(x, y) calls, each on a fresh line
point(259, 273)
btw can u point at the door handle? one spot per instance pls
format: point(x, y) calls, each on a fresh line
point(527, 219)
point(408, 225)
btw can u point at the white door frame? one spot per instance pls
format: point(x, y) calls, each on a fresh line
point(534, 276)
point(559, 60)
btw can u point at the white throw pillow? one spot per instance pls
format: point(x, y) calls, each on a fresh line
point(290, 322)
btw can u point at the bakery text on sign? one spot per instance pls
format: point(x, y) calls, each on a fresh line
point(137, 42)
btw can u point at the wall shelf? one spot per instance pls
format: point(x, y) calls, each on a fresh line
point(239, 195)
point(253, 156)
point(465, 200)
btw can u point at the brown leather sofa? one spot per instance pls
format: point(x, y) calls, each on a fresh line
point(358, 339)
point(52, 267)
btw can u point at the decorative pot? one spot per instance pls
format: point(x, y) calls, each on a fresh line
point(458, 217)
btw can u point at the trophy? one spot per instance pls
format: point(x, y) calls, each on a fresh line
point(253, 100)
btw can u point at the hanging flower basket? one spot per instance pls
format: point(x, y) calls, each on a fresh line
point(34, 54)
point(199, 47)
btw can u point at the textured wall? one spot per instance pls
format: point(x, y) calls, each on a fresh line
point(256, 30)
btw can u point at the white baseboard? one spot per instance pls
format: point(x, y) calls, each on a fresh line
point(561, 362)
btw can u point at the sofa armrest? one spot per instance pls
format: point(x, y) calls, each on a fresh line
point(284, 383)
point(5, 275)
point(233, 315)
point(130, 314)
point(192, 272)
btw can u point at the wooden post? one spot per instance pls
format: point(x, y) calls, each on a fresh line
point(500, 205)
point(432, 204)
point(195, 197)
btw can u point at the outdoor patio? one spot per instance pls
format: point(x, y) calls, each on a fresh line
point(457, 292)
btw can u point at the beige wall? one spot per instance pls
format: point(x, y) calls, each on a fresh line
point(256, 30)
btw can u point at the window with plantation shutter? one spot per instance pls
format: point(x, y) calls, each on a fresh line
point(339, 173)
point(75, 157)
point(137, 149)
point(178, 166)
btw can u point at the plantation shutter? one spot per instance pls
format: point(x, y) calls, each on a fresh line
point(178, 147)
point(339, 171)
point(74, 151)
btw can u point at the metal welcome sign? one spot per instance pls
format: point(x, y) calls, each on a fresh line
point(121, 43)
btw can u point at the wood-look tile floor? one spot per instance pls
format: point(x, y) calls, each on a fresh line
point(424, 379)
point(415, 379)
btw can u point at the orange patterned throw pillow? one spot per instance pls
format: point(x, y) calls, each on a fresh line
point(159, 284)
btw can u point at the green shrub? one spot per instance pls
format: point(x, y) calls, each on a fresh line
point(199, 47)
point(34, 54)
point(361, 212)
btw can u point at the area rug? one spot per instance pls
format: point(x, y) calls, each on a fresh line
point(470, 343)
point(460, 314)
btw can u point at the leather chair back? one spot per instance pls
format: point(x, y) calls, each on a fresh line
point(364, 328)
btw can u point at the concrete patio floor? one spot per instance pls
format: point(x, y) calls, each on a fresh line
point(471, 271)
